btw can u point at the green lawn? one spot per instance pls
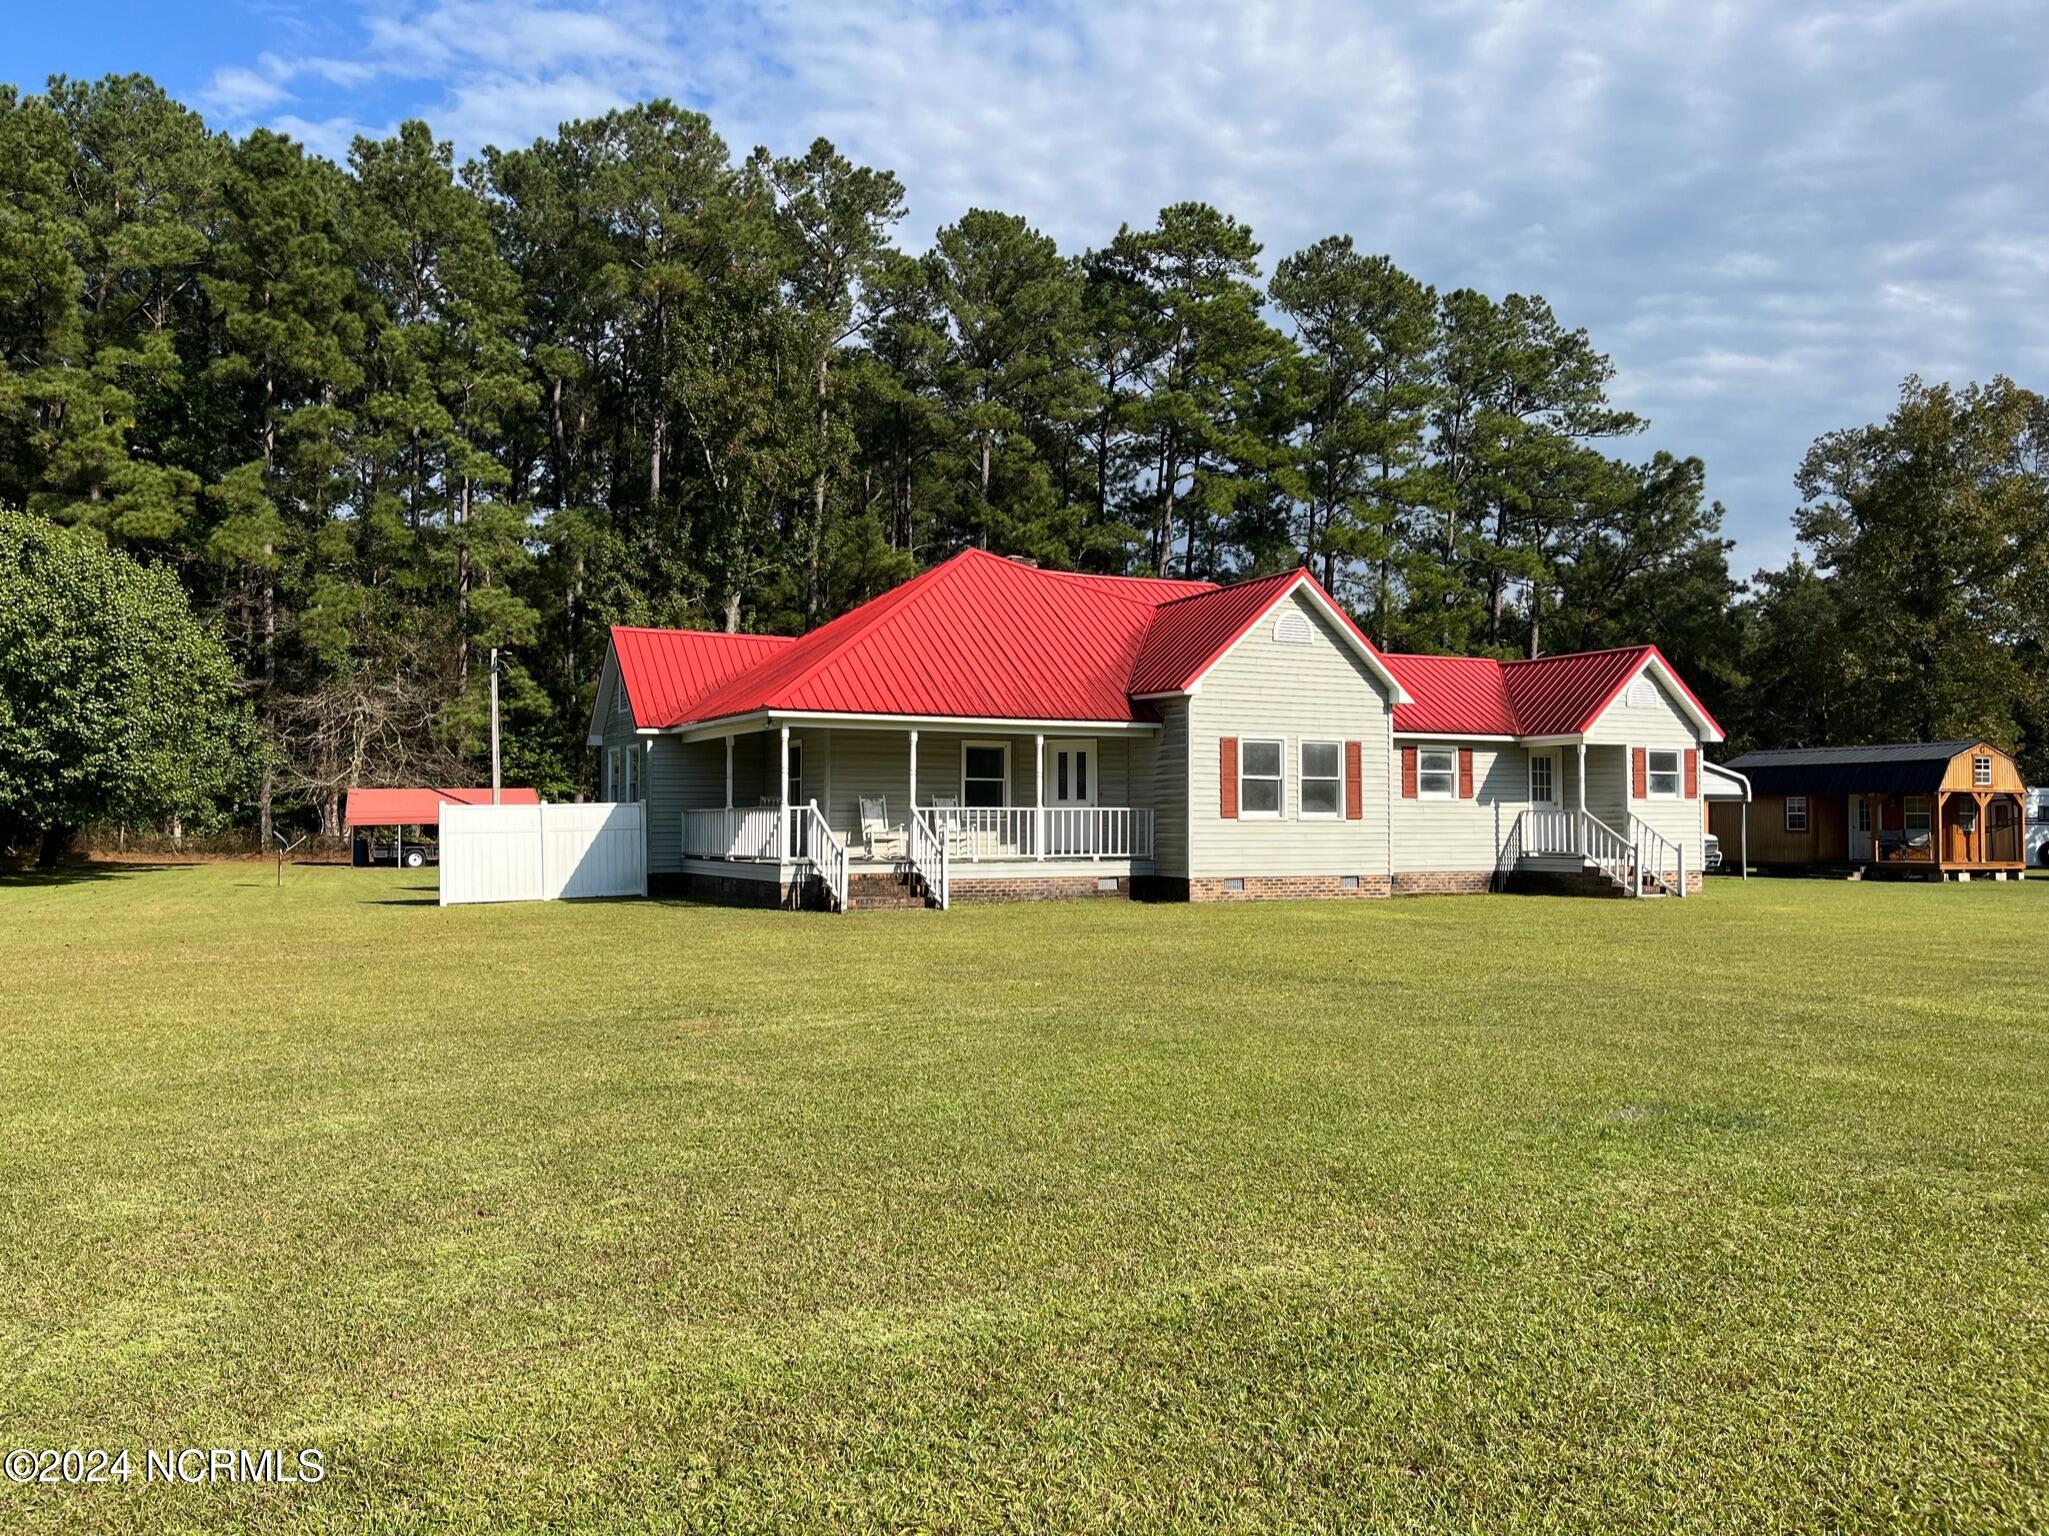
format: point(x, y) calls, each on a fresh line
point(1473, 1213)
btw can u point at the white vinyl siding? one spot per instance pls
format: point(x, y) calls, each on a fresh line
point(1645, 716)
point(1454, 836)
point(1165, 780)
point(1266, 689)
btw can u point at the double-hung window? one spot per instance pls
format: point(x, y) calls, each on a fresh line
point(1662, 770)
point(985, 773)
point(1436, 773)
point(1322, 788)
point(1259, 777)
point(1796, 813)
point(1917, 819)
point(1981, 772)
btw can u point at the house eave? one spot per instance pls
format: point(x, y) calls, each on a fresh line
point(764, 719)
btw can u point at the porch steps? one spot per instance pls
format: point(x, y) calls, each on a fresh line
point(1550, 875)
point(876, 892)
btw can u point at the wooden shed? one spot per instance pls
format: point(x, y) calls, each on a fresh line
point(1932, 809)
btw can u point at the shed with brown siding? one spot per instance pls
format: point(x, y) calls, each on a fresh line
point(1911, 808)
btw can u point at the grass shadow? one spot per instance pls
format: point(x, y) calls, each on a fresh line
point(27, 877)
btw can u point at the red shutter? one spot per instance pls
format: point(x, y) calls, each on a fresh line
point(1639, 773)
point(1355, 791)
point(1465, 773)
point(1408, 773)
point(1227, 781)
point(1692, 774)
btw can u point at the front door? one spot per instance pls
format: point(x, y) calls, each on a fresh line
point(1543, 781)
point(1860, 829)
point(1071, 773)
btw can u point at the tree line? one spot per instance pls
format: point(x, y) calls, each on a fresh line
point(381, 418)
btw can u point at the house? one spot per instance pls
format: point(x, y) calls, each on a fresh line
point(1932, 809)
point(991, 730)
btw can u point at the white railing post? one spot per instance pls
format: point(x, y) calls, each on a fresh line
point(1039, 794)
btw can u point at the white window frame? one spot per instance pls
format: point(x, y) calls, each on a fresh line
point(1651, 775)
point(1303, 778)
point(1550, 763)
point(1279, 777)
point(1981, 772)
point(1791, 824)
point(1000, 744)
point(1424, 771)
point(1908, 813)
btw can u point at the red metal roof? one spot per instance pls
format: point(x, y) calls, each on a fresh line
point(1191, 632)
point(1547, 696)
point(421, 807)
point(1458, 695)
point(666, 671)
point(982, 637)
point(977, 636)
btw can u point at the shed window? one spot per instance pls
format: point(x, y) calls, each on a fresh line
point(985, 773)
point(1663, 769)
point(1436, 773)
point(1981, 772)
point(1796, 813)
point(1917, 818)
point(1259, 778)
point(1323, 790)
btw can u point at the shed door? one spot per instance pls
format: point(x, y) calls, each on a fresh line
point(1860, 828)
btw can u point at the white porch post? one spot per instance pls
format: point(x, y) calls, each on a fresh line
point(782, 820)
point(914, 774)
point(1039, 793)
point(1582, 819)
point(1746, 840)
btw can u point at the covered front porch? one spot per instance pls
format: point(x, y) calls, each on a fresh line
point(927, 805)
point(1592, 825)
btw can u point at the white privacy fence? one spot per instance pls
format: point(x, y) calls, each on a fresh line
point(542, 852)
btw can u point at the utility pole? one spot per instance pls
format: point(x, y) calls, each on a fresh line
point(494, 725)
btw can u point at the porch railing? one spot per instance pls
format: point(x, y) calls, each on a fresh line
point(1646, 854)
point(994, 832)
point(738, 832)
point(974, 833)
point(927, 850)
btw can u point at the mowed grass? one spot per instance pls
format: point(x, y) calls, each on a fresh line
point(1487, 1214)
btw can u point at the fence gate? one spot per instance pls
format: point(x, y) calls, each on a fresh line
point(542, 852)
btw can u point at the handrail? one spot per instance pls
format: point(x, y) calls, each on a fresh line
point(927, 852)
point(1608, 848)
point(1655, 855)
point(1511, 852)
point(825, 852)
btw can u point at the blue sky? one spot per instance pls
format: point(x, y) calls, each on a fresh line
point(1767, 213)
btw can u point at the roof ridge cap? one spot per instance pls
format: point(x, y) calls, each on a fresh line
point(1231, 586)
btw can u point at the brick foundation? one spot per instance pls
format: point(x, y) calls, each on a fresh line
point(733, 891)
point(1048, 888)
point(1287, 888)
point(1436, 882)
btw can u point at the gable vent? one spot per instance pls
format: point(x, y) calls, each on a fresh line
point(1643, 693)
point(1293, 628)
